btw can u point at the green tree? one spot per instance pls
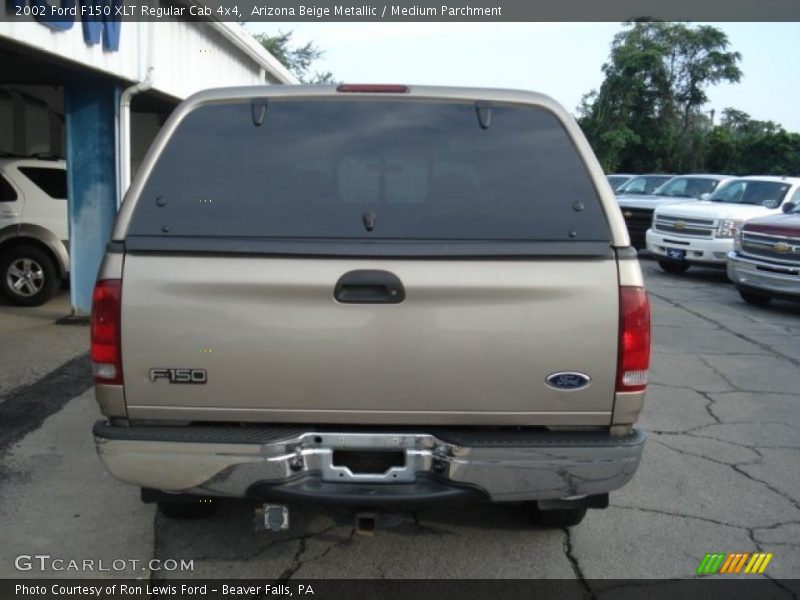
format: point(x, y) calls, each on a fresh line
point(298, 59)
point(744, 146)
point(648, 113)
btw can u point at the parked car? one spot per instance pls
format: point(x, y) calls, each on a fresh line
point(615, 180)
point(638, 209)
point(701, 233)
point(643, 184)
point(33, 229)
point(427, 296)
point(765, 261)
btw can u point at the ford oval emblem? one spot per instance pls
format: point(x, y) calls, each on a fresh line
point(568, 380)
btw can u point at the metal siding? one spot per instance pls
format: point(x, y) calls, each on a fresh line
point(187, 57)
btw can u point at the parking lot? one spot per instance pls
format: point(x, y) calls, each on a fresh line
point(719, 472)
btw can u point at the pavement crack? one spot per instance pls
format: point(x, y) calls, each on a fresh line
point(779, 584)
point(709, 406)
point(687, 388)
point(693, 432)
point(751, 534)
point(576, 567)
point(297, 559)
point(776, 525)
point(770, 487)
point(765, 347)
point(738, 468)
point(704, 457)
point(338, 544)
point(718, 373)
point(296, 563)
point(679, 515)
point(286, 540)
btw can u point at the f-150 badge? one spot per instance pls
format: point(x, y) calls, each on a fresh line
point(179, 375)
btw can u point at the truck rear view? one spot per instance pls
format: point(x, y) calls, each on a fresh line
point(377, 296)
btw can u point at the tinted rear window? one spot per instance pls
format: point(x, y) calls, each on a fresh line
point(7, 193)
point(52, 182)
point(382, 170)
point(643, 184)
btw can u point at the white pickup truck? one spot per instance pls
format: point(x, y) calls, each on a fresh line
point(638, 209)
point(701, 233)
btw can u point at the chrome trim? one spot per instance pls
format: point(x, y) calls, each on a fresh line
point(793, 239)
point(555, 467)
point(684, 226)
point(754, 261)
point(772, 279)
point(761, 246)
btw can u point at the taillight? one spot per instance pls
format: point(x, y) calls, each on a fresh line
point(373, 88)
point(106, 341)
point(634, 339)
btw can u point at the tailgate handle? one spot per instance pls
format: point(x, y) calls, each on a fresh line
point(369, 287)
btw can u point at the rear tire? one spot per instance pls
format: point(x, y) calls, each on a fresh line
point(673, 266)
point(562, 517)
point(28, 276)
point(201, 509)
point(755, 298)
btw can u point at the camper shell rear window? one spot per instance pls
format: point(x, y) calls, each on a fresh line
point(369, 171)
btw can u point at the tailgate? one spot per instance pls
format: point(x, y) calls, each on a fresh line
point(472, 342)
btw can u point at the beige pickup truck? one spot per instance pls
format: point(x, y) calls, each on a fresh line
point(377, 296)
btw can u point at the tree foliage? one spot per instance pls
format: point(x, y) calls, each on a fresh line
point(650, 111)
point(648, 114)
point(298, 59)
point(741, 145)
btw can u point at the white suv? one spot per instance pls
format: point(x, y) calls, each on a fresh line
point(701, 232)
point(33, 229)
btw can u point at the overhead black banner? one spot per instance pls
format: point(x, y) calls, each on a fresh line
point(399, 10)
point(398, 589)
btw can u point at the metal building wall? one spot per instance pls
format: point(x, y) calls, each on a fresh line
point(186, 57)
point(178, 59)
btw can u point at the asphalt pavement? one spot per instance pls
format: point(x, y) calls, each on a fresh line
point(32, 345)
point(719, 474)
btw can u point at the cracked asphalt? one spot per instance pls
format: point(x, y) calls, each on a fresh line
point(719, 474)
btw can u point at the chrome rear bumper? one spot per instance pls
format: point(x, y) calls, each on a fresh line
point(504, 466)
point(763, 276)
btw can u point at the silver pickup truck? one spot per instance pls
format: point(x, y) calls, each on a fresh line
point(378, 296)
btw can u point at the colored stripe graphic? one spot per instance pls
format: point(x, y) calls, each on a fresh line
point(741, 562)
point(733, 562)
point(711, 563)
point(703, 563)
point(758, 563)
point(764, 564)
